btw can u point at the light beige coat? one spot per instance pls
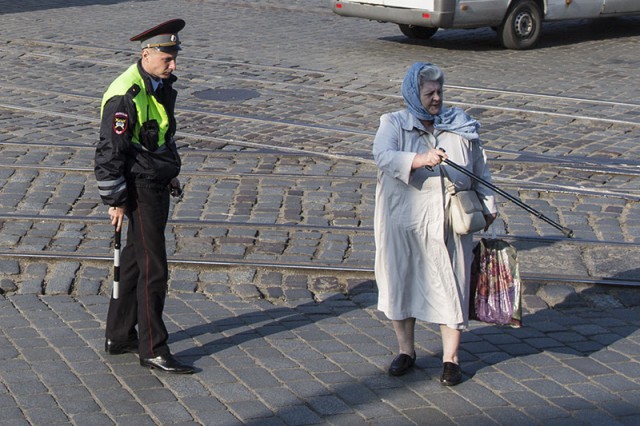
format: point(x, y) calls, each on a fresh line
point(422, 267)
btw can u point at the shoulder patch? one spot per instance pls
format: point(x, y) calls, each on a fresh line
point(120, 122)
point(133, 90)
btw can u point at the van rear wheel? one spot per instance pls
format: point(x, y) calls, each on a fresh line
point(421, 33)
point(522, 25)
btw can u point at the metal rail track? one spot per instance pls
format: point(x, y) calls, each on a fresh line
point(624, 166)
point(341, 228)
point(186, 222)
point(303, 71)
point(603, 166)
point(521, 94)
point(391, 96)
point(177, 260)
point(504, 182)
point(210, 174)
point(522, 162)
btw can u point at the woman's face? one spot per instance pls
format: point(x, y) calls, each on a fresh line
point(431, 97)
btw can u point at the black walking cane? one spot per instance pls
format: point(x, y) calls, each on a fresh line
point(116, 265)
point(566, 231)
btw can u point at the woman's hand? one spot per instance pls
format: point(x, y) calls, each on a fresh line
point(429, 159)
point(489, 218)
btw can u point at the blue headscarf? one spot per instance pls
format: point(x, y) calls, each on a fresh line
point(453, 120)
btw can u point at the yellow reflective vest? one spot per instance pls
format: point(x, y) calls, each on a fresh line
point(153, 110)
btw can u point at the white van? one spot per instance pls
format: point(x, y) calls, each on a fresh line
point(517, 22)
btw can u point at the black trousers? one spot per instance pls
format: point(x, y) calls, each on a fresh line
point(143, 274)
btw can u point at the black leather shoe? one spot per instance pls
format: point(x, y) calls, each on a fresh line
point(168, 364)
point(451, 374)
point(119, 348)
point(401, 364)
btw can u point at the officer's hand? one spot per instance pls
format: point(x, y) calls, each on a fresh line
point(175, 188)
point(117, 216)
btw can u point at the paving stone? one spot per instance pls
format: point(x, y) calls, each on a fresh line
point(7, 286)
point(31, 287)
point(170, 412)
point(9, 267)
point(47, 415)
point(588, 367)
point(546, 388)
point(299, 415)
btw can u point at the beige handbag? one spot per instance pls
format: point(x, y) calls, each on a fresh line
point(466, 212)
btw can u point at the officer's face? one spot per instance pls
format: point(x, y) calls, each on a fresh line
point(159, 64)
point(431, 97)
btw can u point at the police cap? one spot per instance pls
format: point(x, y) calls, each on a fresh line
point(164, 37)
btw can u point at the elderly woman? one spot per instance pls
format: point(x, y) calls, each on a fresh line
point(422, 266)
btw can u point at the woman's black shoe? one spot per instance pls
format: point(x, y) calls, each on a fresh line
point(451, 374)
point(401, 364)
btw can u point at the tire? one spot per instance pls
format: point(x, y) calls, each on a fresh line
point(522, 26)
point(420, 33)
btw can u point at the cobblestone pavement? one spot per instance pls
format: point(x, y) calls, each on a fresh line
point(278, 105)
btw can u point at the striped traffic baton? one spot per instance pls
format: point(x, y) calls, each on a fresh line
point(116, 265)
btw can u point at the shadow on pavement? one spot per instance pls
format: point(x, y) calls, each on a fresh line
point(574, 328)
point(566, 349)
point(572, 334)
point(268, 322)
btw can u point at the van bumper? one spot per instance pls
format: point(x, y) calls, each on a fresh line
point(443, 18)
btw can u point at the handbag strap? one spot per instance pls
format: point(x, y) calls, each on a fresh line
point(451, 188)
point(448, 183)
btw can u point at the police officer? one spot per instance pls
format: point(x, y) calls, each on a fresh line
point(136, 166)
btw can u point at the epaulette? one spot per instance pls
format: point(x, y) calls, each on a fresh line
point(133, 91)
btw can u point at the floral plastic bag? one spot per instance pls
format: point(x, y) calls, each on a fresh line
point(496, 290)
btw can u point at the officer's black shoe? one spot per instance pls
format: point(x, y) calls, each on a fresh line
point(119, 348)
point(167, 363)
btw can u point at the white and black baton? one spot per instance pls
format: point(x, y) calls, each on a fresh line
point(116, 265)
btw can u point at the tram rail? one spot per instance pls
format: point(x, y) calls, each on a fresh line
point(293, 267)
point(311, 73)
point(626, 167)
point(502, 181)
point(630, 166)
point(341, 228)
point(297, 70)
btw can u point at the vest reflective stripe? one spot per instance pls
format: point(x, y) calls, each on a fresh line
point(146, 111)
point(109, 187)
